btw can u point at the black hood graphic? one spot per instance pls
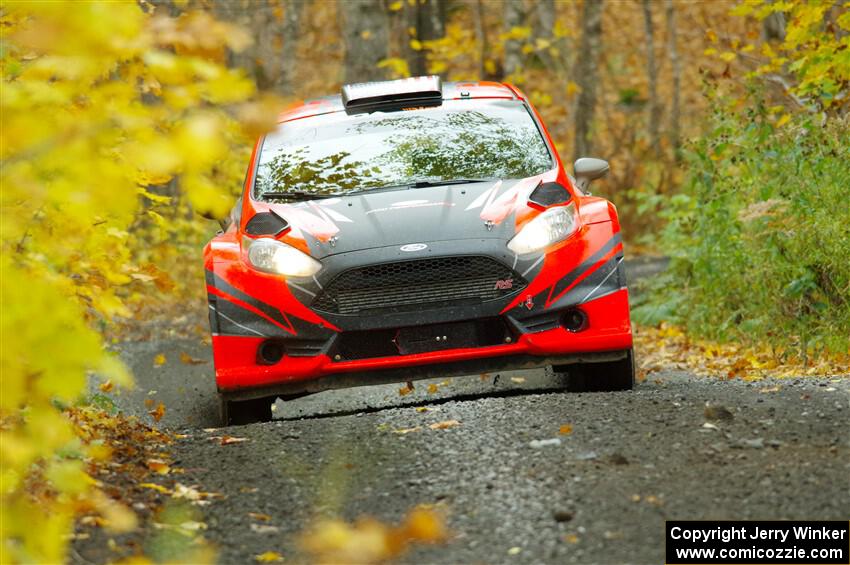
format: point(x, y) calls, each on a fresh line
point(408, 216)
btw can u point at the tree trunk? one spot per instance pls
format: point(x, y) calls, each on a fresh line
point(481, 39)
point(513, 17)
point(428, 19)
point(652, 75)
point(773, 27)
point(676, 69)
point(366, 36)
point(587, 75)
point(288, 61)
point(544, 24)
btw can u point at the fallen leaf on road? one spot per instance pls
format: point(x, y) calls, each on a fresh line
point(518, 380)
point(710, 426)
point(264, 529)
point(406, 389)
point(227, 440)
point(106, 387)
point(149, 402)
point(156, 487)
point(538, 443)
point(565, 430)
point(189, 360)
point(269, 557)
point(407, 430)
point(444, 425)
point(259, 516)
point(766, 389)
point(635, 498)
point(158, 412)
point(432, 388)
point(158, 466)
point(159, 360)
point(514, 550)
point(485, 377)
point(571, 538)
point(427, 409)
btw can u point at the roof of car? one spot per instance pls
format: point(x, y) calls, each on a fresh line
point(451, 91)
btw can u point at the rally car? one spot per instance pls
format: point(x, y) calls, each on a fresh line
point(411, 229)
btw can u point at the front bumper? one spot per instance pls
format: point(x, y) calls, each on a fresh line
point(606, 338)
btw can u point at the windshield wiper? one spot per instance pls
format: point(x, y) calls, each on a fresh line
point(429, 183)
point(296, 195)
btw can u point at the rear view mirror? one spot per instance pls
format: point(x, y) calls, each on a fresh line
point(588, 169)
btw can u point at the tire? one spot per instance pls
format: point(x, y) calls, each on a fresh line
point(242, 412)
point(599, 377)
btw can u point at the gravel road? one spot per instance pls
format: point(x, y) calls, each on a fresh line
point(599, 494)
point(514, 489)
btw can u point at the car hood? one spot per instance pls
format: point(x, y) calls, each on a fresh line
point(408, 216)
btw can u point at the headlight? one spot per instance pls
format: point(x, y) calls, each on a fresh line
point(552, 226)
point(273, 256)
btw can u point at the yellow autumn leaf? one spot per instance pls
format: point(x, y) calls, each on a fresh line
point(269, 557)
point(444, 425)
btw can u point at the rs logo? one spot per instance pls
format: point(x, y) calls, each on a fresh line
point(505, 284)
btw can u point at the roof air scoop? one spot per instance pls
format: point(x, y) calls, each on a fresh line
point(391, 95)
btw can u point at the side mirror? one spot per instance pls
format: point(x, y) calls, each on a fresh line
point(223, 222)
point(232, 217)
point(588, 169)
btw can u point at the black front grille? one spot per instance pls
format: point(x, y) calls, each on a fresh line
point(411, 285)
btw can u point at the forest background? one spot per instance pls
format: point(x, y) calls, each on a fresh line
point(726, 124)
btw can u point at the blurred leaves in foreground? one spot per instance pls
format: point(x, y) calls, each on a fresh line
point(115, 123)
point(371, 541)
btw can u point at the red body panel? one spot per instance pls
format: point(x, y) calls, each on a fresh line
point(568, 276)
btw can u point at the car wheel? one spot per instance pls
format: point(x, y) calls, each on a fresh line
point(241, 412)
point(599, 377)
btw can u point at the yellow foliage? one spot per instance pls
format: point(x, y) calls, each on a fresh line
point(101, 102)
point(817, 55)
point(397, 66)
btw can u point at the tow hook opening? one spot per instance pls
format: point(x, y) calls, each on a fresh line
point(574, 320)
point(270, 352)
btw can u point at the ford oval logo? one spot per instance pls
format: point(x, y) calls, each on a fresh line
point(413, 247)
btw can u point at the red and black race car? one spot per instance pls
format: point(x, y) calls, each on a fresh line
point(411, 229)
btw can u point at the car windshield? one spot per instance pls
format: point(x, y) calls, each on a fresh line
point(337, 153)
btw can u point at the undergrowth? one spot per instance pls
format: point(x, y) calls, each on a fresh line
point(759, 238)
